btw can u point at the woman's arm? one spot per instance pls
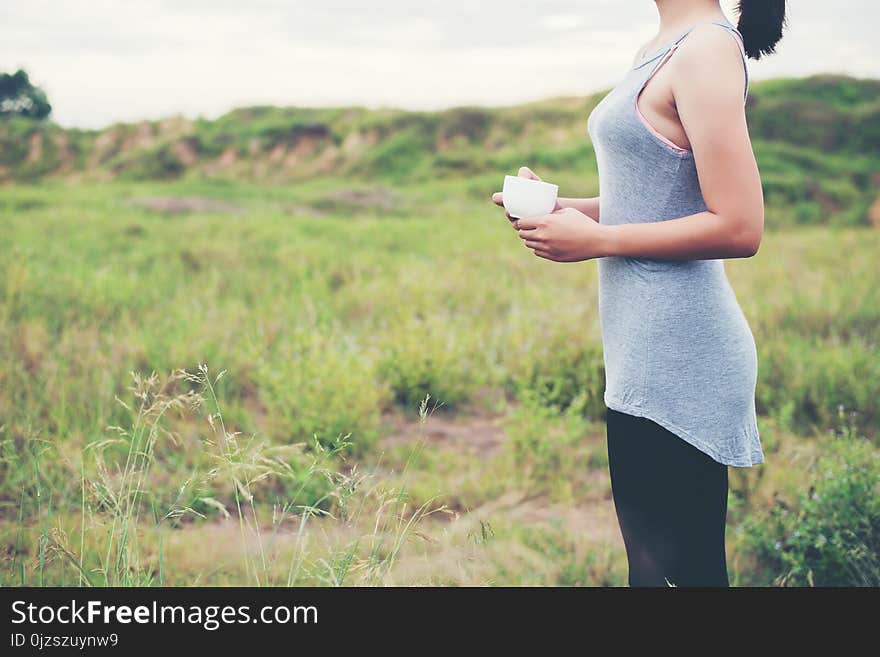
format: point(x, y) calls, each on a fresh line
point(708, 82)
point(708, 85)
point(587, 206)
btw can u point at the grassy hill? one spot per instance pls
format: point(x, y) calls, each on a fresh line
point(817, 140)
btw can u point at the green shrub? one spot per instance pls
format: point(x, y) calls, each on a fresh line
point(809, 212)
point(811, 377)
point(425, 356)
point(831, 535)
point(319, 384)
point(561, 371)
point(159, 163)
point(543, 439)
point(471, 123)
point(398, 156)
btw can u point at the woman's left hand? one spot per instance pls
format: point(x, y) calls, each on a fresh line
point(565, 235)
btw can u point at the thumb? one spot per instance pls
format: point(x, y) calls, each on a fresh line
point(497, 198)
point(525, 172)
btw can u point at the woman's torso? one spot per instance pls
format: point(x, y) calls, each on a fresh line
point(677, 346)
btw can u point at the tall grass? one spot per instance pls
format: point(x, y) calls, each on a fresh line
point(123, 520)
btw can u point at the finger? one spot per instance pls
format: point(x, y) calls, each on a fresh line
point(544, 254)
point(525, 172)
point(528, 223)
point(496, 198)
point(532, 244)
point(530, 234)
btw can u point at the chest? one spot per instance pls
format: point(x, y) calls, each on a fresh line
point(611, 114)
point(632, 116)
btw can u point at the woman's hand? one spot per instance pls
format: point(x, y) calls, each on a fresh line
point(524, 172)
point(564, 235)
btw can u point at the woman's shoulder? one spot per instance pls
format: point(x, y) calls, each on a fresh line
point(710, 43)
point(710, 58)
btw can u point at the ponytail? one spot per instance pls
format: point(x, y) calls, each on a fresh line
point(761, 23)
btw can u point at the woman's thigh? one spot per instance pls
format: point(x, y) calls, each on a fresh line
point(671, 501)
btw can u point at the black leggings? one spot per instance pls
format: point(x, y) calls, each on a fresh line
point(671, 502)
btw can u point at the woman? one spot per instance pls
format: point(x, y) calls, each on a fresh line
point(680, 191)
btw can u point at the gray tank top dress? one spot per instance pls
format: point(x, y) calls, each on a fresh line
point(677, 347)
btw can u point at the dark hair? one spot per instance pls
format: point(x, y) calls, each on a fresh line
point(761, 23)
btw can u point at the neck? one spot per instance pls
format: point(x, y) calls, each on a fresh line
point(681, 14)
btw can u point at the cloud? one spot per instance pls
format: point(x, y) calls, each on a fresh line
point(561, 21)
point(114, 60)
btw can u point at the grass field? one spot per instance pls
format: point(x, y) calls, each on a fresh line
point(408, 396)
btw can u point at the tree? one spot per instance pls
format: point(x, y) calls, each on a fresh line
point(18, 97)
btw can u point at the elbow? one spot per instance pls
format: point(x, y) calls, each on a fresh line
point(747, 240)
point(748, 245)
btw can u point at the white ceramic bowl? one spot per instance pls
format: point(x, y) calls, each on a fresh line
point(524, 197)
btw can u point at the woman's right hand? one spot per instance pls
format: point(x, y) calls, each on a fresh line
point(524, 172)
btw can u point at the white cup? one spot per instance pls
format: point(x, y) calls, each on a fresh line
point(524, 197)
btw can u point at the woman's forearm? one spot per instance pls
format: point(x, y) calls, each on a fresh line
point(700, 236)
point(589, 206)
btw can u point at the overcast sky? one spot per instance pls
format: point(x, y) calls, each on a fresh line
point(103, 61)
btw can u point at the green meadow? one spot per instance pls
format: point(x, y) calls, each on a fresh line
point(260, 350)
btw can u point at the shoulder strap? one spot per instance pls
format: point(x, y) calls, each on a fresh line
point(742, 51)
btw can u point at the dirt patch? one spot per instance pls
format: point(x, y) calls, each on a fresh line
point(594, 520)
point(184, 205)
point(357, 141)
point(328, 160)
point(482, 436)
point(66, 156)
point(105, 147)
point(141, 138)
point(227, 160)
point(303, 148)
point(277, 153)
point(351, 202)
point(874, 213)
point(35, 148)
point(300, 210)
point(186, 151)
point(175, 126)
point(591, 517)
point(354, 201)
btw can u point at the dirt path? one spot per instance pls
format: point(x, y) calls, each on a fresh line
point(482, 435)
